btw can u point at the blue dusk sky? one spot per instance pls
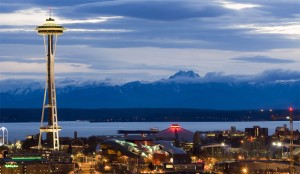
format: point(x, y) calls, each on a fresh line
point(126, 40)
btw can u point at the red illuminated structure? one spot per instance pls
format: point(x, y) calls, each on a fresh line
point(175, 127)
point(175, 132)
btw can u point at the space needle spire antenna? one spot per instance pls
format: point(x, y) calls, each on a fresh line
point(50, 32)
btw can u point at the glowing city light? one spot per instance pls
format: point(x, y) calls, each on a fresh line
point(175, 126)
point(244, 170)
point(26, 158)
point(11, 166)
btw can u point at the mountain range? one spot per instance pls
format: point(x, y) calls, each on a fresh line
point(184, 89)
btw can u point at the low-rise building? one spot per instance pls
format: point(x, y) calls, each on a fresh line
point(36, 162)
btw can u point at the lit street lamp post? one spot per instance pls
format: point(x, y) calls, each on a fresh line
point(279, 144)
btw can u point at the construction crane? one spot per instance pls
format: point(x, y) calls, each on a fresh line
point(290, 118)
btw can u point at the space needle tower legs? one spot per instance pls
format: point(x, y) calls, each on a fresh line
point(50, 31)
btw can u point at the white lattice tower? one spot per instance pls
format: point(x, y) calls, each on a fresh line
point(4, 136)
point(50, 32)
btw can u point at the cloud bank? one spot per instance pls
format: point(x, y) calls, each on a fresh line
point(148, 40)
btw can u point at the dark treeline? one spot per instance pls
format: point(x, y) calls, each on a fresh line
point(145, 115)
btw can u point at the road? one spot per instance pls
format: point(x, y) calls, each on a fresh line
point(87, 168)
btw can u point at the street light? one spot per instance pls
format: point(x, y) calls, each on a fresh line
point(244, 170)
point(279, 144)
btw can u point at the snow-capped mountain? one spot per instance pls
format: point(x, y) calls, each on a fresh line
point(185, 75)
point(180, 93)
point(18, 86)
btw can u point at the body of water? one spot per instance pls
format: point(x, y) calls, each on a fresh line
point(17, 131)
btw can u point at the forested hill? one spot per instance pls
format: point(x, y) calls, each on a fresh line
point(143, 115)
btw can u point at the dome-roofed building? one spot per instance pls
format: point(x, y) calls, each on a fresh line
point(175, 133)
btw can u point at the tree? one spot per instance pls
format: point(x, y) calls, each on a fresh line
point(151, 166)
point(196, 143)
point(27, 143)
point(177, 141)
point(92, 143)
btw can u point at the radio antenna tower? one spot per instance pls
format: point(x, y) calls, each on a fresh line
point(50, 32)
point(292, 167)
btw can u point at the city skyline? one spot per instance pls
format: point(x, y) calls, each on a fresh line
point(150, 86)
point(149, 40)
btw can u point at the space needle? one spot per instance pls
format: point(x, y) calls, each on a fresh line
point(50, 32)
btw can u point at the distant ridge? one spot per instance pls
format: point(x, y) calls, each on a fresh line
point(142, 115)
point(184, 89)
